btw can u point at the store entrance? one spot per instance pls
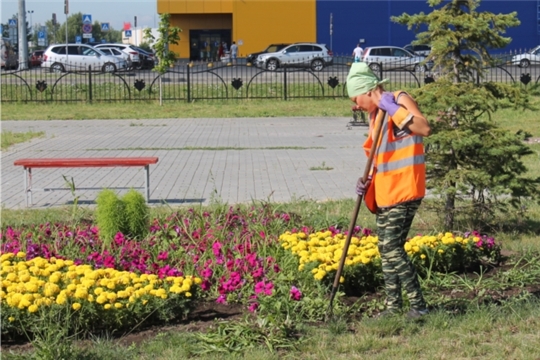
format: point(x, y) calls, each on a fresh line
point(204, 44)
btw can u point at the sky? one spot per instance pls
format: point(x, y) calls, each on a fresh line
point(115, 12)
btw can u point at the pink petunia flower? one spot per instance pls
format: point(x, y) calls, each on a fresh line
point(296, 294)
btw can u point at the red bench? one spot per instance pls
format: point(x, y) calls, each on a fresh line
point(29, 164)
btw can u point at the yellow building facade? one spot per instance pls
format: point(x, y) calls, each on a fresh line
point(252, 24)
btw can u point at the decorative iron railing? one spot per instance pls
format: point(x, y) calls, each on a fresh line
point(226, 81)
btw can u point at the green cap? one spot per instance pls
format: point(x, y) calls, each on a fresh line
point(361, 79)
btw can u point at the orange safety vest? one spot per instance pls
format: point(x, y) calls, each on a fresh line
point(399, 170)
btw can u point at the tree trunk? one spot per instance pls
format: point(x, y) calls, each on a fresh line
point(449, 210)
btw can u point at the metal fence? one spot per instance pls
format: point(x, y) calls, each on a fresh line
point(226, 81)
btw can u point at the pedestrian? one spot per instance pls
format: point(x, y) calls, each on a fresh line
point(357, 53)
point(220, 51)
point(234, 52)
point(396, 185)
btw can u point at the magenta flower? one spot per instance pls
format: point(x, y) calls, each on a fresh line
point(296, 294)
point(261, 286)
point(253, 307)
point(207, 273)
point(221, 299)
point(163, 255)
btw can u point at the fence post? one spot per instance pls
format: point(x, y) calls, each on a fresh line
point(284, 83)
point(90, 83)
point(188, 85)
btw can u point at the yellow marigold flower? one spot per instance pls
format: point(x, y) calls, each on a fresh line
point(21, 255)
point(341, 279)
point(24, 304)
point(422, 256)
point(90, 298)
point(101, 299)
point(107, 306)
point(61, 299)
point(11, 319)
point(111, 296)
point(440, 251)
point(33, 308)
point(188, 294)
point(76, 306)
point(118, 305)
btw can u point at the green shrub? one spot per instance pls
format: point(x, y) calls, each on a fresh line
point(109, 214)
point(136, 214)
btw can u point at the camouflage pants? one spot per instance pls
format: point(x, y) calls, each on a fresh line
point(393, 225)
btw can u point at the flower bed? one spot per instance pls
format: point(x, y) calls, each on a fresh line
point(103, 298)
point(233, 255)
point(321, 252)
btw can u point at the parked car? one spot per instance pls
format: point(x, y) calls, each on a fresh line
point(527, 59)
point(8, 55)
point(394, 58)
point(118, 53)
point(79, 57)
point(128, 49)
point(148, 59)
point(309, 55)
point(420, 50)
point(251, 58)
point(36, 58)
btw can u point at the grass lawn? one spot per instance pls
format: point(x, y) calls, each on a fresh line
point(477, 315)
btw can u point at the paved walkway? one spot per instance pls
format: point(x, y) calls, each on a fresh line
point(234, 160)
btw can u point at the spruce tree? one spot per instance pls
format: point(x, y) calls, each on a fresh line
point(469, 156)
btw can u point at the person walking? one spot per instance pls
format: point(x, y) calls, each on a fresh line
point(234, 52)
point(397, 183)
point(357, 53)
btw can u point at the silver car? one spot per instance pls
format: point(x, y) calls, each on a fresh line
point(78, 57)
point(118, 53)
point(307, 55)
point(394, 58)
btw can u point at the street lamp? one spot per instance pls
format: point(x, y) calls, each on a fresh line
point(31, 23)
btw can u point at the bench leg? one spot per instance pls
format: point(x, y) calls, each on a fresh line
point(27, 182)
point(147, 183)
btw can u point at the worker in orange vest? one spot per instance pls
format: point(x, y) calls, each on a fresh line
point(397, 183)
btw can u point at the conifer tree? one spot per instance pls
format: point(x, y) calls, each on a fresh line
point(469, 156)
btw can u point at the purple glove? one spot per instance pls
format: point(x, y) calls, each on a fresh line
point(361, 188)
point(388, 103)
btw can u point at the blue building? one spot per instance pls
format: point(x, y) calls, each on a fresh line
point(369, 20)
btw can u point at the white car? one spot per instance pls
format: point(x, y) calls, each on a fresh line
point(78, 57)
point(118, 53)
point(527, 59)
point(307, 55)
point(127, 49)
point(394, 58)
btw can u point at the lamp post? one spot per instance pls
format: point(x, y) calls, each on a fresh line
point(31, 23)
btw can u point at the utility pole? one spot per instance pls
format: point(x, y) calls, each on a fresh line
point(135, 26)
point(66, 11)
point(23, 42)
